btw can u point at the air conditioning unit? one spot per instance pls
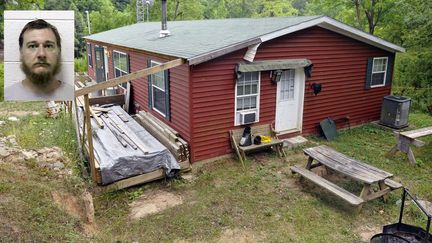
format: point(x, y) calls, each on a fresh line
point(395, 111)
point(247, 117)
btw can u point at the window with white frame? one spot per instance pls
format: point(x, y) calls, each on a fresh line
point(158, 91)
point(379, 70)
point(121, 64)
point(89, 55)
point(247, 95)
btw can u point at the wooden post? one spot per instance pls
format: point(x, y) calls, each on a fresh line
point(89, 137)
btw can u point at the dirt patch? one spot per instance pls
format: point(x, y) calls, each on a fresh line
point(78, 207)
point(239, 236)
point(366, 232)
point(153, 201)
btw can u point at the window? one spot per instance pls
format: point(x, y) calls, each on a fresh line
point(121, 65)
point(89, 55)
point(287, 85)
point(247, 95)
point(159, 91)
point(379, 69)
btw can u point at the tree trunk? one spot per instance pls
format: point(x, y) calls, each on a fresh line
point(176, 10)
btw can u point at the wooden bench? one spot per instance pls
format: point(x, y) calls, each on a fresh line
point(354, 169)
point(331, 187)
point(406, 139)
point(262, 130)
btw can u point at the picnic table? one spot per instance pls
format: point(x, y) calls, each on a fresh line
point(406, 139)
point(376, 182)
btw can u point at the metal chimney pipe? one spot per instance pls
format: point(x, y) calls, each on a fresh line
point(164, 31)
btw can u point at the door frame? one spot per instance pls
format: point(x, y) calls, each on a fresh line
point(299, 79)
point(103, 55)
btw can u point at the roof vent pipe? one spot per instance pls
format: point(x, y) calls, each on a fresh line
point(164, 32)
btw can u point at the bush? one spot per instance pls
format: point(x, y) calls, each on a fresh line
point(413, 78)
point(81, 64)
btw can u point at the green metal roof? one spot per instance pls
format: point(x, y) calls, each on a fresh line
point(201, 40)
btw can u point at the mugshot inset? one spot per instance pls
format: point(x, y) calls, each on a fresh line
point(39, 55)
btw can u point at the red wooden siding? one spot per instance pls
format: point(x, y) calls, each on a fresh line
point(91, 71)
point(179, 89)
point(339, 65)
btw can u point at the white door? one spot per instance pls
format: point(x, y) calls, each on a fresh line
point(289, 101)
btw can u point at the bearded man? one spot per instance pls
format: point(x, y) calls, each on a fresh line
point(40, 56)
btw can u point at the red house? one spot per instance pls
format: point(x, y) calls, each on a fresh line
point(248, 71)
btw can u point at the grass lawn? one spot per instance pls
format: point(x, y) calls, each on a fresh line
point(264, 203)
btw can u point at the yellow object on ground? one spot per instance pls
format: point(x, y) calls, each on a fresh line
point(265, 139)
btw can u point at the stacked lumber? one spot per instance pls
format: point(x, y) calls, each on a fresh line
point(165, 134)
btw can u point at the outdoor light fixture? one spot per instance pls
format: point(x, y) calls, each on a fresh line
point(275, 75)
point(308, 70)
point(316, 88)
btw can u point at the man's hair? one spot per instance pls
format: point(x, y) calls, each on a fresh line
point(39, 24)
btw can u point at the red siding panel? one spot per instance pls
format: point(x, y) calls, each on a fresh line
point(339, 65)
point(179, 88)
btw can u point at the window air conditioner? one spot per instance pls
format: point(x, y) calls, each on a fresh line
point(247, 117)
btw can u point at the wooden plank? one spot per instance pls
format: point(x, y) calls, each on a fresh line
point(89, 138)
point(95, 108)
point(392, 184)
point(377, 194)
point(344, 164)
point(140, 179)
point(331, 187)
point(112, 99)
point(418, 132)
point(172, 147)
point(235, 147)
point(356, 162)
point(345, 168)
point(123, 79)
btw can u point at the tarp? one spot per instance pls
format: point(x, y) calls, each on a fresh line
point(118, 162)
point(273, 65)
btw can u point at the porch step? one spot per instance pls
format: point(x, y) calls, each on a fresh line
point(331, 187)
point(294, 141)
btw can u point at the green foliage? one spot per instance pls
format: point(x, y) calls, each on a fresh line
point(81, 64)
point(271, 8)
point(108, 17)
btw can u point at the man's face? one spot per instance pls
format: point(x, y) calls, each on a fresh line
point(40, 56)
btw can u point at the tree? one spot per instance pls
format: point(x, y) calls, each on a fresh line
point(108, 17)
point(17, 5)
point(215, 9)
point(272, 8)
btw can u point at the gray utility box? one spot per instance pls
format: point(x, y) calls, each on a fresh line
point(395, 111)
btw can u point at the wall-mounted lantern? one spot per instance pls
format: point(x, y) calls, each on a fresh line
point(308, 70)
point(275, 75)
point(316, 88)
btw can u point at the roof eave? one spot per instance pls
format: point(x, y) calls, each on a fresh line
point(338, 27)
point(220, 52)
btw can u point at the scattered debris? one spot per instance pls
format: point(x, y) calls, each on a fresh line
point(53, 109)
point(51, 158)
point(153, 202)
